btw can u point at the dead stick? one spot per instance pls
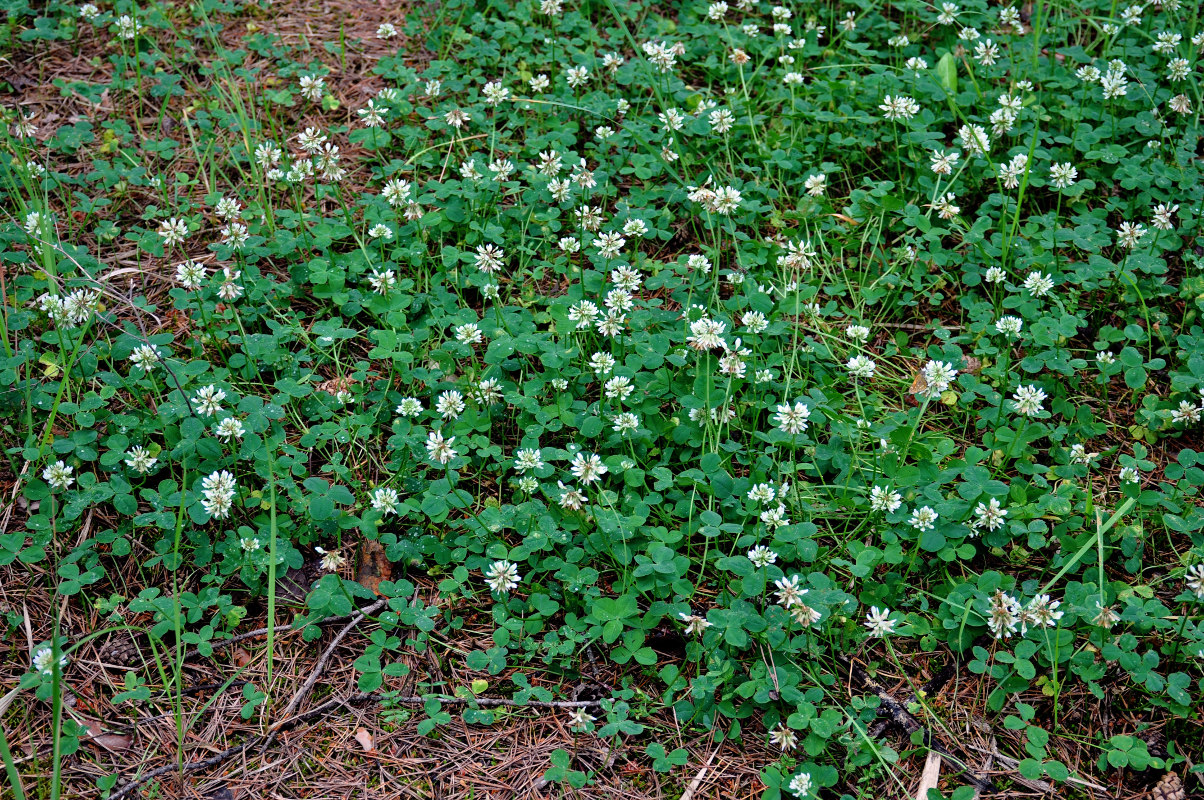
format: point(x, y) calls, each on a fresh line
point(193, 766)
point(907, 721)
point(1011, 763)
point(320, 667)
point(194, 652)
point(933, 684)
point(489, 702)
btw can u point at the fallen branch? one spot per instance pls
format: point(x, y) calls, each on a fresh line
point(1037, 785)
point(193, 766)
point(899, 715)
point(242, 637)
point(320, 667)
point(931, 777)
point(931, 686)
point(907, 721)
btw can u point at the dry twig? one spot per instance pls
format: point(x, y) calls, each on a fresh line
point(907, 721)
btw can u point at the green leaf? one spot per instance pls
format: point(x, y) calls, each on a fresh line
point(946, 73)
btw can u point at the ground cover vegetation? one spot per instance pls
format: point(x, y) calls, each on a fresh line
point(757, 355)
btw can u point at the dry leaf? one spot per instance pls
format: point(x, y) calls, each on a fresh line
point(373, 567)
point(365, 739)
point(113, 742)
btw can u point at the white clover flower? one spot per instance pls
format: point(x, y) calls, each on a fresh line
point(579, 718)
point(332, 561)
point(382, 282)
point(469, 333)
point(58, 475)
point(527, 459)
point(502, 577)
point(1028, 399)
point(450, 404)
point(408, 407)
point(882, 499)
point(783, 738)
point(190, 274)
point(587, 469)
point(923, 518)
point(988, 515)
point(43, 660)
point(235, 235)
point(861, 367)
point(1194, 580)
point(762, 493)
point(1062, 176)
point(1130, 234)
point(577, 77)
point(975, 140)
point(1009, 326)
point(1162, 216)
point(218, 493)
point(695, 625)
point(209, 401)
point(229, 428)
point(1038, 284)
point(128, 27)
point(145, 357)
point(943, 163)
point(754, 321)
point(1105, 617)
point(489, 258)
point(724, 200)
point(602, 363)
point(879, 622)
point(139, 458)
point(1040, 611)
point(625, 423)
point(938, 376)
point(439, 449)
point(788, 591)
point(762, 556)
point(618, 388)
point(800, 784)
point(1186, 414)
point(312, 87)
point(1079, 454)
point(899, 108)
point(1004, 615)
point(774, 518)
point(792, 419)
point(385, 500)
point(495, 93)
